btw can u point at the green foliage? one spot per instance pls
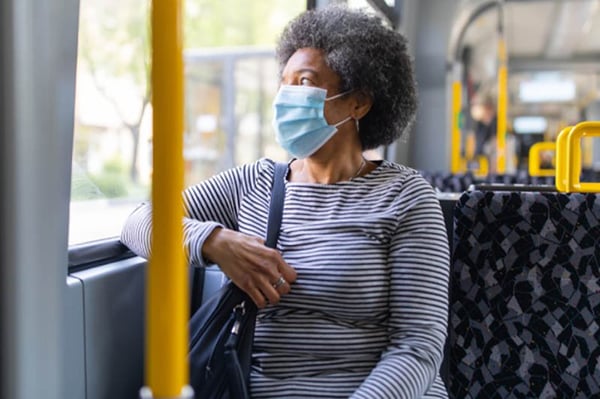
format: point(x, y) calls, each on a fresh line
point(115, 166)
point(82, 187)
point(114, 50)
point(111, 182)
point(112, 185)
point(213, 23)
point(114, 39)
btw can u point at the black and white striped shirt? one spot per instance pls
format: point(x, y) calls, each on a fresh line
point(367, 315)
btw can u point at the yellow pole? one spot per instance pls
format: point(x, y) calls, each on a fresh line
point(167, 311)
point(455, 161)
point(502, 105)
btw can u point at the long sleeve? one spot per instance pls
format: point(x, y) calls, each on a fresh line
point(419, 263)
point(208, 205)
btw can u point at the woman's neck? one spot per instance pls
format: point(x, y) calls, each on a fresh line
point(330, 171)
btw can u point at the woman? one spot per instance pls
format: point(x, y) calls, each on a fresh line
point(353, 303)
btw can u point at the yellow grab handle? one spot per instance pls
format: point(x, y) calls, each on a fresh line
point(561, 159)
point(535, 160)
point(583, 129)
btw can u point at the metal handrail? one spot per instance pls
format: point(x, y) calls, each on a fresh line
point(573, 158)
point(167, 289)
point(455, 86)
point(568, 157)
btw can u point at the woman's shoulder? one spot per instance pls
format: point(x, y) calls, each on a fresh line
point(259, 169)
point(245, 177)
point(404, 179)
point(395, 168)
point(264, 168)
point(257, 174)
point(398, 172)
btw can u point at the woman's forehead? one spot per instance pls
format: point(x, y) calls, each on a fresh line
point(309, 60)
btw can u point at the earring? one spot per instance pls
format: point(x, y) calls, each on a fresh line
point(357, 125)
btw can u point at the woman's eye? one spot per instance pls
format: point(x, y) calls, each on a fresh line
point(305, 82)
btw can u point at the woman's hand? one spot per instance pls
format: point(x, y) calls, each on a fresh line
point(252, 266)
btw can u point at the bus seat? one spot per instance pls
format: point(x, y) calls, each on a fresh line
point(113, 323)
point(214, 279)
point(525, 296)
point(74, 355)
point(204, 282)
point(447, 182)
point(447, 203)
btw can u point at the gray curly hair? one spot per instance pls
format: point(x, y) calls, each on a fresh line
point(368, 57)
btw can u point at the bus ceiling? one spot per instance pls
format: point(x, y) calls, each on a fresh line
point(564, 40)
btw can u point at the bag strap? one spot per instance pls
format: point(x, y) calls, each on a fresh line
point(276, 206)
point(236, 374)
point(273, 227)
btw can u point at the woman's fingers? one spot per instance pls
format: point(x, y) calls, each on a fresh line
point(267, 293)
point(288, 272)
point(270, 279)
point(271, 294)
point(258, 270)
point(257, 297)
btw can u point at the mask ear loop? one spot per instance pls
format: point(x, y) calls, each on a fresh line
point(342, 121)
point(348, 118)
point(338, 95)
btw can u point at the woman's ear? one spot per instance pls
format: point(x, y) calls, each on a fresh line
point(362, 104)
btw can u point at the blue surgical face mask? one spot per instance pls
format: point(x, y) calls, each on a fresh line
point(298, 120)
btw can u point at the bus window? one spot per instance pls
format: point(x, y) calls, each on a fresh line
point(230, 80)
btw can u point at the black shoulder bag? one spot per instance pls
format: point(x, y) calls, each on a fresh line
point(222, 329)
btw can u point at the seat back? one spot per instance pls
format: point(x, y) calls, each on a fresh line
point(204, 282)
point(525, 296)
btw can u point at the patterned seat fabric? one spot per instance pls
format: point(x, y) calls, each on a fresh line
point(525, 299)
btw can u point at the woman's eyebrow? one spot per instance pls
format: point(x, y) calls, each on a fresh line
point(309, 70)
